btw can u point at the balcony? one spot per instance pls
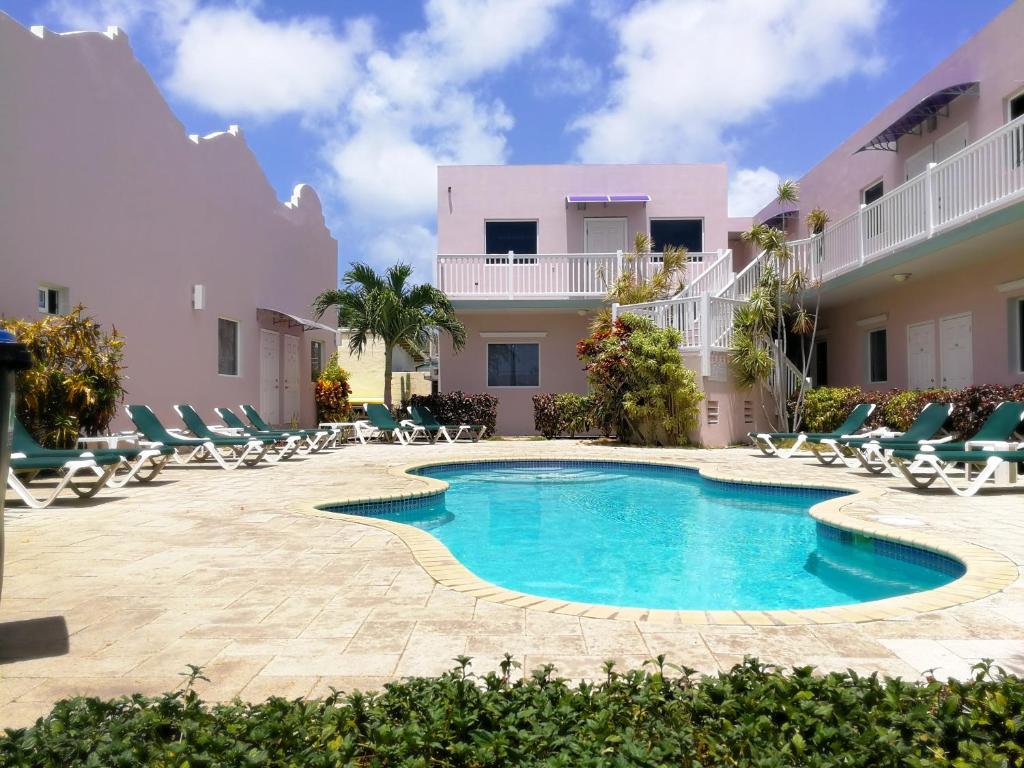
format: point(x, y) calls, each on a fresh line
point(546, 277)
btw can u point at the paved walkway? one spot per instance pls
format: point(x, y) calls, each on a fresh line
point(223, 570)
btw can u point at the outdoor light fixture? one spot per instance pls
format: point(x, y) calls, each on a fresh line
point(901, 277)
point(198, 297)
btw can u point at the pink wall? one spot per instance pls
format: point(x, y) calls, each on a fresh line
point(484, 192)
point(560, 370)
point(994, 57)
point(104, 193)
point(971, 288)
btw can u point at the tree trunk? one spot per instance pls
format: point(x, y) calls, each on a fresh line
point(388, 351)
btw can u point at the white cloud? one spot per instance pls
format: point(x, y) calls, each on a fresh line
point(688, 71)
point(751, 189)
point(566, 75)
point(232, 63)
point(128, 14)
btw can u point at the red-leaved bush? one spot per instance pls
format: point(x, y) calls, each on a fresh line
point(459, 408)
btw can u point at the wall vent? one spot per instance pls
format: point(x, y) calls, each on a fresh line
point(748, 412)
point(712, 412)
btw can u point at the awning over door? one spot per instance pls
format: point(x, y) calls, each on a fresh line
point(607, 198)
point(911, 121)
point(294, 320)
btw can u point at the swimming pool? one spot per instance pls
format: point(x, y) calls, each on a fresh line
point(654, 536)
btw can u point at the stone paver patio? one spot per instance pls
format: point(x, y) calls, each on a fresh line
point(224, 569)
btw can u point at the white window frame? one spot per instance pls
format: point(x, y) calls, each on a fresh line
point(505, 343)
point(867, 354)
point(321, 345)
point(703, 228)
point(866, 187)
point(238, 348)
point(1015, 331)
point(62, 298)
point(502, 258)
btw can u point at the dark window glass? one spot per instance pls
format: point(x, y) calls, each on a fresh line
point(872, 193)
point(821, 364)
point(682, 233)
point(515, 236)
point(227, 347)
point(1017, 106)
point(1020, 335)
point(513, 365)
point(316, 359)
point(878, 356)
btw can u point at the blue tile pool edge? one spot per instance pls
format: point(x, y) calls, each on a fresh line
point(882, 546)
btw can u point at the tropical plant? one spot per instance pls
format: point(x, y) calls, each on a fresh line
point(332, 391)
point(566, 413)
point(785, 302)
point(76, 381)
point(641, 390)
point(460, 408)
point(640, 280)
point(388, 308)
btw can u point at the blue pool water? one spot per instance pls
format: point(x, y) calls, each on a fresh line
point(657, 537)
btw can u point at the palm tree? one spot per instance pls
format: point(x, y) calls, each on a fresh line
point(387, 307)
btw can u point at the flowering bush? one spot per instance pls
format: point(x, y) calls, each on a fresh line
point(640, 389)
point(332, 391)
point(459, 408)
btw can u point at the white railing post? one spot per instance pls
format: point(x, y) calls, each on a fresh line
point(615, 311)
point(929, 199)
point(618, 264)
point(704, 334)
point(860, 233)
point(509, 273)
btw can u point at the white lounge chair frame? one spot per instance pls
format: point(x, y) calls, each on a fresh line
point(229, 456)
point(69, 471)
point(996, 468)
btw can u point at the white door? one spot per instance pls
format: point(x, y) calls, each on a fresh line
point(270, 376)
point(917, 163)
point(921, 355)
point(951, 143)
point(290, 396)
point(604, 235)
point(956, 355)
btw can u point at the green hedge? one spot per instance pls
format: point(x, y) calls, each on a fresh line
point(461, 408)
point(567, 414)
point(750, 716)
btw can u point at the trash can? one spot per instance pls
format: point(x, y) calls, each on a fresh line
point(14, 357)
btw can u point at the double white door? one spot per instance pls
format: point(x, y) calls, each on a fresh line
point(279, 384)
point(955, 353)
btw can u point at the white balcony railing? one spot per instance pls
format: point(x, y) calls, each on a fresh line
point(550, 275)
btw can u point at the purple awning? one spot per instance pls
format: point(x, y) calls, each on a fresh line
point(910, 122)
point(607, 198)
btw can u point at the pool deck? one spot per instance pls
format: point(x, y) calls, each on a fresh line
point(236, 572)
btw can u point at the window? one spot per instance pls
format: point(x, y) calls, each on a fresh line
point(1015, 109)
point(821, 364)
point(872, 193)
point(316, 359)
point(1019, 323)
point(515, 236)
point(227, 347)
point(873, 223)
point(682, 233)
point(52, 300)
point(513, 365)
point(878, 363)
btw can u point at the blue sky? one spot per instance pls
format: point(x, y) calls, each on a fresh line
point(362, 99)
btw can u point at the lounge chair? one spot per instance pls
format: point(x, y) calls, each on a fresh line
point(992, 447)
point(422, 417)
point(223, 450)
point(869, 450)
point(142, 464)
point(383, 425)
point(261, 426)
point(765, 441)
point(67, 468)
point(307, 441)
point(199, 428)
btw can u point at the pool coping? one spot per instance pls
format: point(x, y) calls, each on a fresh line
point(987, 572)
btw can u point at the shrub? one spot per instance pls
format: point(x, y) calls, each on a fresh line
point(640, 389)
point(460, 408)
point(753, 715)
point(567, 413)
point(332, 391)
point(826, 407)
point(75, 382)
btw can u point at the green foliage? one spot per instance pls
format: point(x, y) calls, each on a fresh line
point(332, 391)
point(460, 408)
point(640, 389)
point(567, 413)
point(663, 715)
point(388, 308)
point(75, 382)
point(825, 408)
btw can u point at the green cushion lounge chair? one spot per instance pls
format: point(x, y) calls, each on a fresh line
point(68, 469)
point(869, 451)
point(189, 449)
point(142, 464)
point(233, 444)
point(422, 417)
point(261, 426)
point(765, 441)
point(307, 440)
point(383, 425)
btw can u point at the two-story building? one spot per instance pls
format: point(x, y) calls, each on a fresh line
point(526, 254)
point(921, 266)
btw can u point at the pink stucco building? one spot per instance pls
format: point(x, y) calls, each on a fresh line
point(179, 241)
point(921, 267)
